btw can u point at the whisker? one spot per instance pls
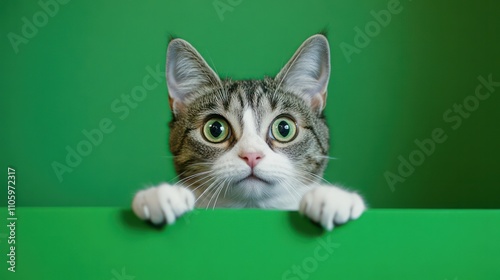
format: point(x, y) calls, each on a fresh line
point(220, 190)
point(213, 190)
point(177, 177)
point(204, 183)
point(181, 182)
point(214, 193)
point(207, 189)
point(315, 178)
point(319, 177)
point(184, 172)
point(285, 184)
point(201, 163)
point(327, 157)
point(293, 188)
point(226, 189)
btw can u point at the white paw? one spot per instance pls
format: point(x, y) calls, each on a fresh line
point(164, 203)
point(331, 205)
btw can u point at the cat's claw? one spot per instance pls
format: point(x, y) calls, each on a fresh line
point(164, 203)
point(329, 206)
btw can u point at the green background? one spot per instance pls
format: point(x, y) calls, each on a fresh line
point(392, 92)
point(106, 243)
point(395, 90)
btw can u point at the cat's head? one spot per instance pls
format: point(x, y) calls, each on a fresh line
point(252, 141)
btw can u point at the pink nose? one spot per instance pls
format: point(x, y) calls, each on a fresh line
point(251, 158)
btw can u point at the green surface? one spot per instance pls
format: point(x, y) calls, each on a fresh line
point(71, 73)
point(97, 243)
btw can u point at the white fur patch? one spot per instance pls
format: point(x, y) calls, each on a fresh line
point(274, 182)
point(164, 203)
point(329, 205)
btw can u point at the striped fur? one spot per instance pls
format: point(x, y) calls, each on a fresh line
point(249, 166)
point(197, 93)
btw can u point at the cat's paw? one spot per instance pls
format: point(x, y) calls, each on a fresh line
point(164, 203)
point(331, 205)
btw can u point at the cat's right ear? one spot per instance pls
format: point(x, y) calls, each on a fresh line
point(308, 71)
point(186, 72)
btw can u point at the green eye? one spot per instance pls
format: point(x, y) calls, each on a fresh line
point(216, 130)
point(283, 129)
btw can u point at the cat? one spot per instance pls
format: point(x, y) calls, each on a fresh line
point(249, 143)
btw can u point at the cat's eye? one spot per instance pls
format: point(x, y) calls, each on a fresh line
point(216, 130)
point(284, 129)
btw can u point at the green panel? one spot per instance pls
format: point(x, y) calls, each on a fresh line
point(110, 243)
point(79, 61)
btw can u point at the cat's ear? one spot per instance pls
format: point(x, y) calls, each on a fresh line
point(308, 71)
point(186, 72)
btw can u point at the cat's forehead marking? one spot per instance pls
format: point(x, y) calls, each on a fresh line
point(248, 120)
point(258, 106)
point(250, 140)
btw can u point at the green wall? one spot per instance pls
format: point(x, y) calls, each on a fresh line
point(70, 68)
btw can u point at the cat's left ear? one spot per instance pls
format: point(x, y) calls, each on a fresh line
point(308, 71)
point(187, 72)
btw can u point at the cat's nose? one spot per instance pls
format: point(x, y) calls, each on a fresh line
point(252, 159)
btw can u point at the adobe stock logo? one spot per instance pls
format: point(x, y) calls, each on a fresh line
point(121, 109)
point(223, 6)
point(30, 27)
point(372, 29)
point(454, 116)
point(310, 264)
point(122, 275)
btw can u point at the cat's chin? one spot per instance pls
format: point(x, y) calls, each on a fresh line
point(253, 180)
point(252, 187)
